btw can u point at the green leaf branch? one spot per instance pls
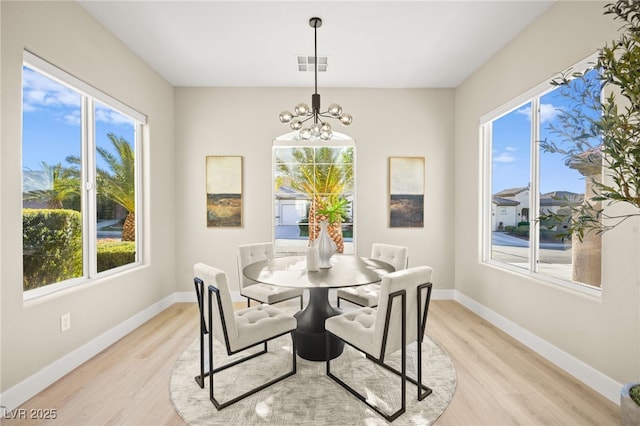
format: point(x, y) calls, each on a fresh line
point(616, 127)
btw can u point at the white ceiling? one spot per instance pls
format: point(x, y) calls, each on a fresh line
point(388, 44)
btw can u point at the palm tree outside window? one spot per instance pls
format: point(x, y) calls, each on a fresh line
point(313, 183)
point(79, 188)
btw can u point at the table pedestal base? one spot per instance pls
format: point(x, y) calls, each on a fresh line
point(310, 335)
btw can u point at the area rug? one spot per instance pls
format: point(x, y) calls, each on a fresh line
point(309, 397)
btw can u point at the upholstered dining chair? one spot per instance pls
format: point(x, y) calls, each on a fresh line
point(367, 295)
point(400, 319)
point(252, 290)
point(239, 330)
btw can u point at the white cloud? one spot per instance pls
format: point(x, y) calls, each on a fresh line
point(548, 112)
point(504, 157)
point(41, 92)
point(108, 115)
point(526, 111)
point(511, 149)
point(73, 118)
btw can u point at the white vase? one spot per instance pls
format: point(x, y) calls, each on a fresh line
point(325, 245)
point(313, 259)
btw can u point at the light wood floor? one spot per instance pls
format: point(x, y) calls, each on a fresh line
point(500, 382)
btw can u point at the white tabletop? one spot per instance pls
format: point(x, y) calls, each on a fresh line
point(291, 271)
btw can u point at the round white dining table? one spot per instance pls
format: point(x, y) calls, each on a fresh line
point(291, 271)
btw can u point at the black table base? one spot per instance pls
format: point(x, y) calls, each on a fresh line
point(310, 335)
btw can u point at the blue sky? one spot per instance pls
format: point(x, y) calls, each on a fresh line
point(52, 131)
point(51, 122)
point(511, 150)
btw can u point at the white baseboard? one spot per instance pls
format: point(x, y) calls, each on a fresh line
point(593, 378)
point(443, 294)
point(28, 388)
point(185, 297)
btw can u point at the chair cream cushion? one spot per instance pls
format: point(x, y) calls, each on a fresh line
point(251, 253)
point(269, 293)
point(259, 323)
point(396, 256)
point(246, 326)
point(364, 295)
point(218, 278)
point(364, 327)
point(358, 325)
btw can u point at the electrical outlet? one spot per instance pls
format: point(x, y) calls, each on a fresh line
point(65, 322)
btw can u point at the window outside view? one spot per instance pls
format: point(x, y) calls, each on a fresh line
point(313, 184)
point(69, 233)
point(526, 145)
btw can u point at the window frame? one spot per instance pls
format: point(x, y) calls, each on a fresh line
point(89, 97)
point(290, 140)
point(532, 96)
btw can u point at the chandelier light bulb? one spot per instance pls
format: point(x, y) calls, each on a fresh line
point(326, 135)
point(285, 117)
point(301, 110)
point(346, 119)
point(305, 133)
point(315, 130)
point(326, 127)
point(296, 124)
point(335, 110)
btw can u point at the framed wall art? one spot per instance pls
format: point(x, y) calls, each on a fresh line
point(406, 192)
point(224, 191)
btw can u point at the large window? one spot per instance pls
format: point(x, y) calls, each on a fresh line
point(531, 176)
point(313, 183)
point(80, 168)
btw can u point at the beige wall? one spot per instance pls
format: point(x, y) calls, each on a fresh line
point(603, 332)
point(441, 125)
point(64, 34)
point(244, 121)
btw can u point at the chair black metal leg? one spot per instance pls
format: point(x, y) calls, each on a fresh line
point(200, 378)
point(218, 404)
point(422, 387)
point(199, 285)
point(328, 353)
point(363, 398)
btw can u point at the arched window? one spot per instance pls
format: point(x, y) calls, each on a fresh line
point(313, 181)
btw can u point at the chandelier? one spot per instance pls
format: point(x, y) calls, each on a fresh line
point(302, 113)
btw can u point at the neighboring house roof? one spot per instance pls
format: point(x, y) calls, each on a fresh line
point(286, 193)
point(511, 192)
point(499, 201)
point(560, 198)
